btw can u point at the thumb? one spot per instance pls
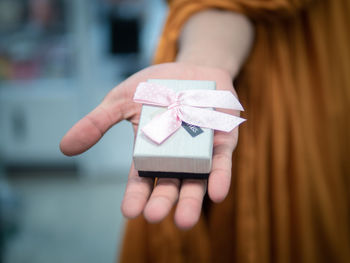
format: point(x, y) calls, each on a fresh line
point(89, 130)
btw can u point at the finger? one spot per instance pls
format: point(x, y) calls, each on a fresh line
point(190, 203)
point(163, 197)
point(137, 192)
point(220, 176)
point(86, 132)
point(115, 107)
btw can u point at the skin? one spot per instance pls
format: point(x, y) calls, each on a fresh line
point(197, 60)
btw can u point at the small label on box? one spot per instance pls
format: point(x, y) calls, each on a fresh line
point(191, 129)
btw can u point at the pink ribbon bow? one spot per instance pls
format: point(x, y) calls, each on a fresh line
point(187, 106)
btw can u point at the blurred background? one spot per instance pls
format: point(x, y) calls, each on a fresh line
point(58, 58)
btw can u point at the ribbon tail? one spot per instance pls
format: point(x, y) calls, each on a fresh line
point(223, 99)
point(162, 126)
point(209, 118)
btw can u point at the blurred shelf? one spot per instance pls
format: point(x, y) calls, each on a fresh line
point(35, 114)
point(33, 118)
point(38, 88)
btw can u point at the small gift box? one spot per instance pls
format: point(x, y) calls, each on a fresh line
point(175, 134)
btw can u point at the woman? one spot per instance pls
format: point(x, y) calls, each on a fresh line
point(288, 200)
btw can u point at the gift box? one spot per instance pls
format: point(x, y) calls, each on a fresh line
point(187, 153)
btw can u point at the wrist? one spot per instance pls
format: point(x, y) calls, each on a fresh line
point(220, 62)
point(194, 71)
point(216, 38)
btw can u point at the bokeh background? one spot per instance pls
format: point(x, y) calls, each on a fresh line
point(58, 59)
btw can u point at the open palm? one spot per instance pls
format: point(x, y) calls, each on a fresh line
point(141, 195)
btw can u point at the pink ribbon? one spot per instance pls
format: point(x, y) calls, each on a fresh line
point(187, 106)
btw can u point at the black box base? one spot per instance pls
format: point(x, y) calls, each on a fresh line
point(173, 175)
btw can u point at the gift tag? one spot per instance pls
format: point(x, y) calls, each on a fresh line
point(192, 129)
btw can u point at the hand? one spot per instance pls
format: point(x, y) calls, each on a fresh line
point(141, 195)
